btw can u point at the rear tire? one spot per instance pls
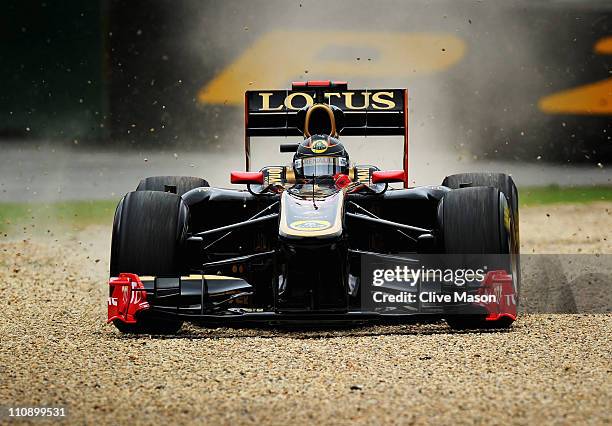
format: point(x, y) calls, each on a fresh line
point(473, 221)
point(148, 231)
point(182, 184)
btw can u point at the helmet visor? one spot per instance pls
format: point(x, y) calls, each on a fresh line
point(320, 166)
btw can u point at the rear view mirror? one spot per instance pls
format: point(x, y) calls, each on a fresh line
point(253, 178)
point(388, 176)
point(289, 147)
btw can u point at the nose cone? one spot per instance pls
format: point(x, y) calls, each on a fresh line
point(302, 218)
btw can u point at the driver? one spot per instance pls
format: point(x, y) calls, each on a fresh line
point(322, 157)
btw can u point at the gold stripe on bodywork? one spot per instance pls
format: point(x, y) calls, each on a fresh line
point(193, 277)
point(330, 113)
point(289, 175)
point(363, 174)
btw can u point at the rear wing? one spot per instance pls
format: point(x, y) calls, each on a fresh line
point(367, 112)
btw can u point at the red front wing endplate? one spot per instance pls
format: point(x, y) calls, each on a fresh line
point(127, 297)
point(499, 283)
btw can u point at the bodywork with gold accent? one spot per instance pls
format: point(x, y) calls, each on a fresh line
point(290, 248)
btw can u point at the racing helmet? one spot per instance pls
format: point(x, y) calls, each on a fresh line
point(320, 156)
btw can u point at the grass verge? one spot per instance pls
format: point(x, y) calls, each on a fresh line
point(77, 215)
point(531, 196)
point(74, 215)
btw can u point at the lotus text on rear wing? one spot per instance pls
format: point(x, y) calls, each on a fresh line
point(346, 100)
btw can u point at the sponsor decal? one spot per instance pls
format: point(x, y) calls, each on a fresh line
point(507, 218)
point(273, 175)
point(310, 225)
point(319, 146)
point(286, 100)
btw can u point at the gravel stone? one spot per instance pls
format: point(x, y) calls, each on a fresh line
point(57, 350)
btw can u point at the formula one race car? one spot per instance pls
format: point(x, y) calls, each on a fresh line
point(304, 243)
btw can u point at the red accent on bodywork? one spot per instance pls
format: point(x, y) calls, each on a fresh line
point(127, 297)
point(341, 180)
point(388, 176)
point(499, 283)
point(247, 139)
point(318, 83)
point(405, 138)
point(247, 177)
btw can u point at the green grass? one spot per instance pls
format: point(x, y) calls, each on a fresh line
point(530, 196)
point(76, 215)
point(72, 214)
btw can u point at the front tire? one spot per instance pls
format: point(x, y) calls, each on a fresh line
point(501, 181)
point(477, 221)
point(148, 232)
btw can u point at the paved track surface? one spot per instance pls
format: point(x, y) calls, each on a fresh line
point(56, 350)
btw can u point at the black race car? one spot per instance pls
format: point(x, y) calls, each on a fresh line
point(323, 240)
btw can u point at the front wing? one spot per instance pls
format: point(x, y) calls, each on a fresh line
point(224, 300)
